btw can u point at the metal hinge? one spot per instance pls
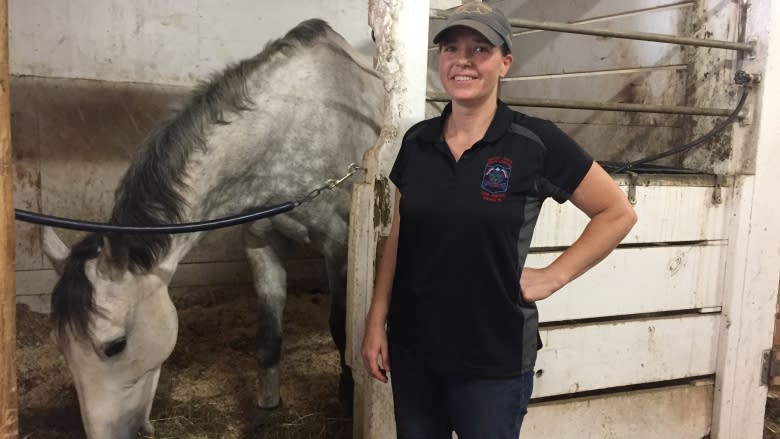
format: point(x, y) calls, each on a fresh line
point(717, 192)
point(770, 366)
point(632, 178)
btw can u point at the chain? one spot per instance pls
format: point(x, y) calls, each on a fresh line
point(330, 184)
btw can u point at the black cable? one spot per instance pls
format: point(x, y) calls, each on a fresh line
point(648, 169)
point(200, 226)
point(683, 148)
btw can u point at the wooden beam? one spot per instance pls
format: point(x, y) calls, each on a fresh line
point(8, 409)
point(752, 266)
point(401, 31)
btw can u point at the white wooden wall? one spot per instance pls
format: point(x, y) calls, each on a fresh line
point(648, 315)
point(160, 41)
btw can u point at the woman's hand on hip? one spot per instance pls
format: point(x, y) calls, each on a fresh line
point(376, 358)
point(538, 284)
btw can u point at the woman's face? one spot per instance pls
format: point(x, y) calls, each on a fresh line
point(470, 67)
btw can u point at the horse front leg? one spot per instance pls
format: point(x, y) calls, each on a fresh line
point(270, 281)
point(335, 265)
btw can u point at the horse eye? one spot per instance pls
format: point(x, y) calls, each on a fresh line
point(115, 347)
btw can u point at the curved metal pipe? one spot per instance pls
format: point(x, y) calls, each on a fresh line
point(603, 106)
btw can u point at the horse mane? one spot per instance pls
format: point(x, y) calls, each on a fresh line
point(72, 301)
point(150, 192)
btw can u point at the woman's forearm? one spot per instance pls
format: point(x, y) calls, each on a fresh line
point(611, 218)
point(602, 234)
point(383, 285)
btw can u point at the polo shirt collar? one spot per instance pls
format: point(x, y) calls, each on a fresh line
point(500, 124)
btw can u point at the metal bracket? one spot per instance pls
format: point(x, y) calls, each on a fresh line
point(751, 54)
point(632, 178)
point(717, 193)
point(770, 366)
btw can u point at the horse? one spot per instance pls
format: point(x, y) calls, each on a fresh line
point(266, 130)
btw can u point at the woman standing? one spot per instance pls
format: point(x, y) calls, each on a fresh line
point(452, 288)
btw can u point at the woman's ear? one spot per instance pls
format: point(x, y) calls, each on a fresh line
point(506, 63)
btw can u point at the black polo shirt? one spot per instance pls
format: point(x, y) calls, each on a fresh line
point(465, 232)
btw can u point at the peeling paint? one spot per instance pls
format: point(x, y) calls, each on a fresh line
point(382, 204)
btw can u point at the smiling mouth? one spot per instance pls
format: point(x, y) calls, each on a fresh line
point(463, 78)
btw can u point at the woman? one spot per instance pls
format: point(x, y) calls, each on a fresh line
point(462, 335)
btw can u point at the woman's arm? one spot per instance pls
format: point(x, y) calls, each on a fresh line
point(611, 218)
point(374, 351)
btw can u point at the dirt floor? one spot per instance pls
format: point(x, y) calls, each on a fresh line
point(772, 419)
point(207, 385)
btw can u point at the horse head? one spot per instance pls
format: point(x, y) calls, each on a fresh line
point(115, 328)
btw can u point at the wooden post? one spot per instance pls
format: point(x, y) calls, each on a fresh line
point(401, 31)
point(752, 265)
point(8, 410)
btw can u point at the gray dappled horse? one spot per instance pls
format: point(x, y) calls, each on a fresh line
point(265, 131)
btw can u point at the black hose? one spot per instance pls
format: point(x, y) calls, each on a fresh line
point(683, 148)
point(200, 226)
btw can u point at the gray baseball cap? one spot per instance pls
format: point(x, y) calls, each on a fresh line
point(491, 23)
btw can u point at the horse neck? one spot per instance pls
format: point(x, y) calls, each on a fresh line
point(200, 204)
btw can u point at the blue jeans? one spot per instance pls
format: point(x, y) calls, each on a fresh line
point(431, 405)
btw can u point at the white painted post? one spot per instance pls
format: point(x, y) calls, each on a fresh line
point(753, 259)
point(401, 31)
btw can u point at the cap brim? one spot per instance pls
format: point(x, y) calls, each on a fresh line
point(486, 31)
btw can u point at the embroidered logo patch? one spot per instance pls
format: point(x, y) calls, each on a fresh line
point(495, 178)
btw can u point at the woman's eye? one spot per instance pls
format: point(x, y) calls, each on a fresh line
point(115, 347)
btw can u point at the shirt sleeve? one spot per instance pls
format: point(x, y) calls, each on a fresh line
point(565, 163)
point(399, 166)
point(397, 173)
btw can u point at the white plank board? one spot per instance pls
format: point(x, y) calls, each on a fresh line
point(639, 280)
point(117, 40)
point(666, 214)
point(605, 355)
point(671, 412)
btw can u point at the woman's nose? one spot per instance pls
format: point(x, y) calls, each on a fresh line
point(463, 57)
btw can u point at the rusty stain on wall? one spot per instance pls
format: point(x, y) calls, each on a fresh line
point(382, 203)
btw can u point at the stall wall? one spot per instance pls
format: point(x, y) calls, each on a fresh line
point(551, 65)
point(160, 41)
point(90, 79)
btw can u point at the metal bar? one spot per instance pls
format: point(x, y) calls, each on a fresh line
point(621, 15)
point(603, 106)
point(592, 73)
point(643, 36)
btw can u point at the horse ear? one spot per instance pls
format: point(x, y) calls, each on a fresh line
point(109, 266)
point(55, 249)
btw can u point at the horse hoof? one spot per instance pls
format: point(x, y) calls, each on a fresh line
point(265, 416)
point(346, 392)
